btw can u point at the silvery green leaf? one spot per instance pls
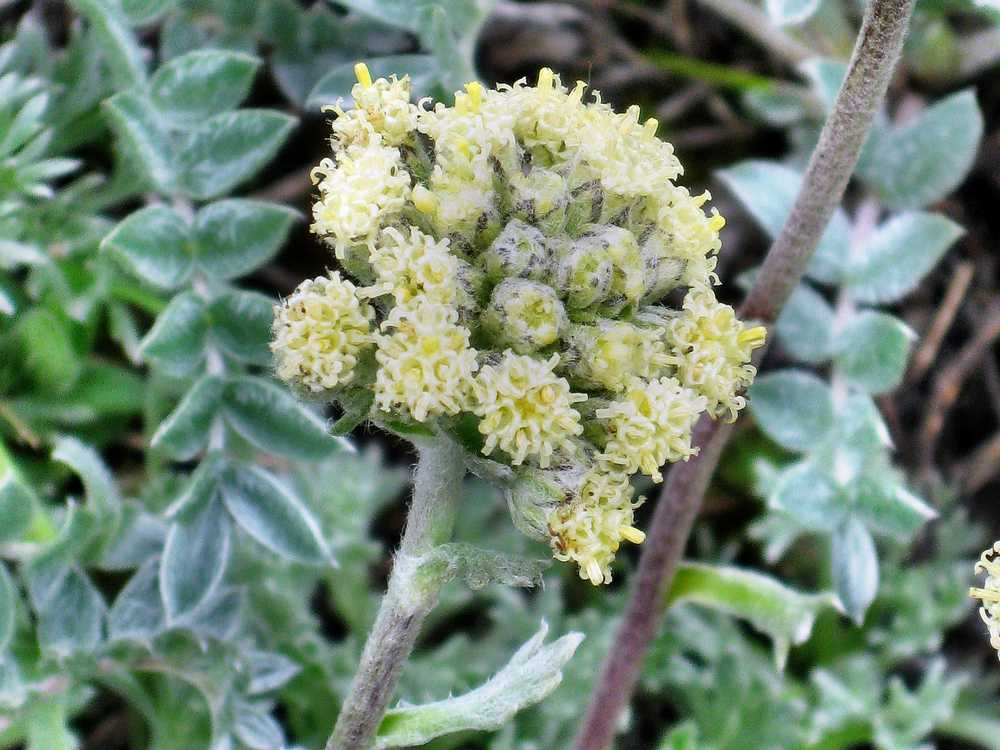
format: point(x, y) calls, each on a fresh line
point(478, 567)
point(63, 633)
point(201, 487)
point(785, 615)
point(121, 49)
point(240, 323)
point(175, 343)
point(237, 235)
point(219, 616)
point(103, 497)
point(805, 326)
point(142, 137)
point(882, 501)
point(532, 673)
point(124, 329)
point(767, 190)
point(15, 254)
point(25, 125)
point(184, 433)
point(269, 417)
point(860, 437)
point(464, 15)
point(269, 671)
point(872, 351)
point(153, 244)
point(825, 74)
point(137, 613)
point(17, 502)
point(230, 148)
point(257, 729)
point(898, 255)
point(336, 85)
point(809, 495)
point(854, 565)
point(272, 515)
point(141, 12)
point(923, 160)
point(195, 86)
point(793, 407)
point(791, 12)
point(47, 724)
point(194, 560)
point(140, 536)
point(436, 30)
point(8, 608)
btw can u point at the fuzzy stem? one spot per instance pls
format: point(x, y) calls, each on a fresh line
point(869, 72)
point(408, 600)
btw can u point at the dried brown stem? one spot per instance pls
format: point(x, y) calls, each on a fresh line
point(949, 381)
point(869, 71)
point(961, 277)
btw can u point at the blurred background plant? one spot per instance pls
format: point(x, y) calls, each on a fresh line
point(168, 513)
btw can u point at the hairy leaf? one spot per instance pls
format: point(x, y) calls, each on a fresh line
point(194, 560)
point(793, 407)
point(203, 83)
point(532, 673)
point(873, 349)
point(183, 434)
point(784, 614)
point(235, 236)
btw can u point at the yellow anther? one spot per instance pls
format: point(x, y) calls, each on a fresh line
point(632, 534)
point(475, 91)
point(716, 222)
point(546, 78)
point(753, 337)
point(424, 200)
point(651, 126)
point(364, 75)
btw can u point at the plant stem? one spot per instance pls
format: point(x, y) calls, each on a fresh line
point(408, 600)
point(869, 71)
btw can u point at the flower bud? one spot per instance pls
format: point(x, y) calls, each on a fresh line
point(663, 271)
point(524, 315)
point(539, 198)
point(583, 272)
point(519, 250)
point(606, 355)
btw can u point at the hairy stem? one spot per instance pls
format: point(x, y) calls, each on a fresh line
point(408, 600)
point(869, 71)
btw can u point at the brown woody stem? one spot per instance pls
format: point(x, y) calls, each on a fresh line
point(869, 72)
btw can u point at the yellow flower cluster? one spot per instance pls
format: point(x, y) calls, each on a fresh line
point(989, 594)
point(711, 352)
point(651, 425)
point(511, 250)
point(526, 410)
point(589, 529)
point(319, 333)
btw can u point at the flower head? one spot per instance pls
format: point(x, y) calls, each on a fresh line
point(650, 425)
point(590, 527)
point(381, 107)
point(415, 264)
point(711, 351)
point(516, 247)
point(526, 409)
point(989, 594)
point(426, 363)
point(365, 186)
point(320, 331)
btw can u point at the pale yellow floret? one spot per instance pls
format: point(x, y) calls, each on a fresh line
point(623, 153)
point(608, 354)
point(381, 107)
point(426, 365)
point(694, 235)
point(650, 426)
point(590, 527)
point(527, 410)
point(989, 594)
point(365, 187)
point(711, 350)
point(414, 264)
point(319, 332)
